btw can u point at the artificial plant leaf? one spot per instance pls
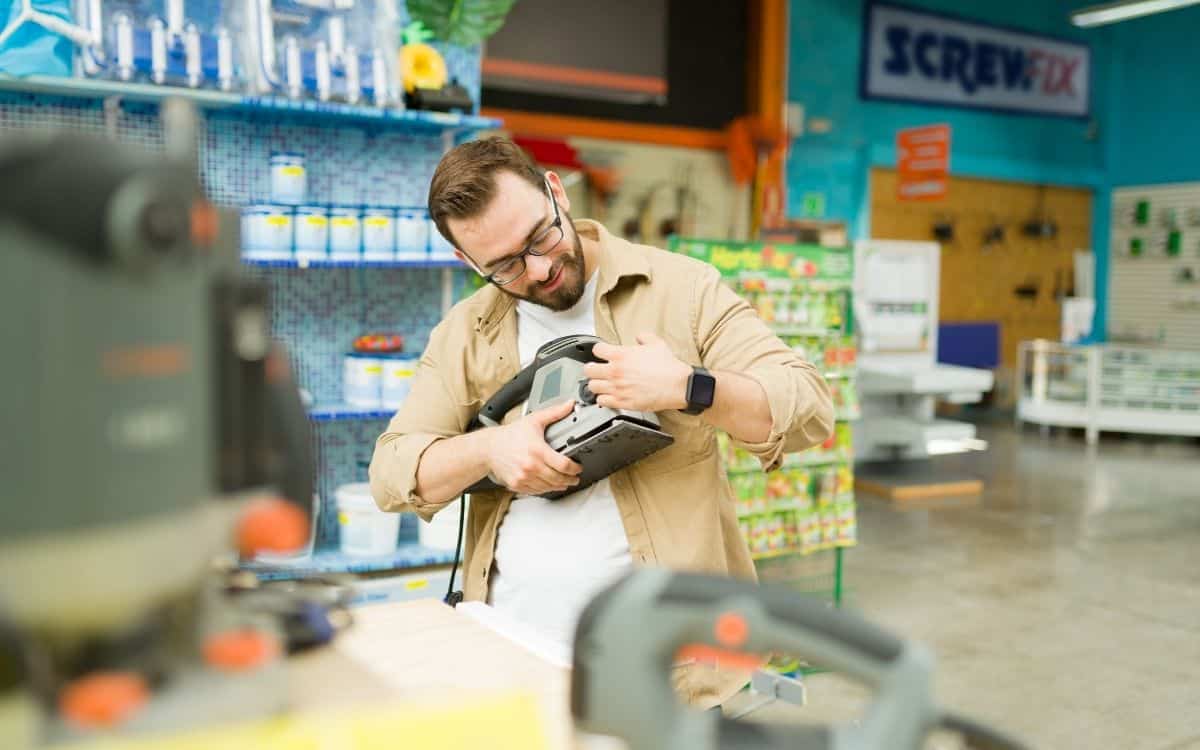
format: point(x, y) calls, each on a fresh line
point(462, 22)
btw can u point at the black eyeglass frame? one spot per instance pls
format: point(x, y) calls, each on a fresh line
point(529, 249)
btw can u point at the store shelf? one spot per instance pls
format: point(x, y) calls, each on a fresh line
point(88, 88)
point(406, 557)
point(794, 552)
point(1142, 375)
point(936, 380)
point(796, 461)
point(786, 330)
point(294, 263)
point(333, 412)
point(848, 415)
point(777, 508)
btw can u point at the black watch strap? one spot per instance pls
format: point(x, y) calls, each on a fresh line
point(701, 390)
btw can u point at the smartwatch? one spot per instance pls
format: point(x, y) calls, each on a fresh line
point(701, 387)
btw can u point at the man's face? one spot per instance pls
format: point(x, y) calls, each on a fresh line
point(517, 215)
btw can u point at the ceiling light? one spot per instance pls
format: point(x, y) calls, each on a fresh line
point(1098, 15)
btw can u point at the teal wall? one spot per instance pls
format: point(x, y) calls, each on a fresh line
point(823, 76)
point(1156, 99)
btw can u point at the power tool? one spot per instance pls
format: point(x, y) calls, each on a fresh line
point(148, 412)
point(601, 439)
point(631, 634)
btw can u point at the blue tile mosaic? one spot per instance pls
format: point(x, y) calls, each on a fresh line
point(319, 312)
point(343, 450)
point(352, 164)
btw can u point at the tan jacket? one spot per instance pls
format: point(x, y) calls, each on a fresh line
point(676, 505)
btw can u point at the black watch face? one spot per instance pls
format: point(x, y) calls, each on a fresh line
point(703, 389)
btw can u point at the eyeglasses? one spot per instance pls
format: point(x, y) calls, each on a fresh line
point(544, 243)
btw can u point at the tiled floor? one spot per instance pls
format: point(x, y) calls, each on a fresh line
point(1064, 606)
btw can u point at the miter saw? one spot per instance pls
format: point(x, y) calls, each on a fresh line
point(145, 408)
point(601, 439)
point(632, 633)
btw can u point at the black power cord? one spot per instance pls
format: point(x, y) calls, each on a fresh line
point(454, 597)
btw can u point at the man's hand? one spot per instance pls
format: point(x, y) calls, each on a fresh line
point(520, 459)
point(646, 377)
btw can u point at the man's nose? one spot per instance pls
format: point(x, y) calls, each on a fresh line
point(538, 267)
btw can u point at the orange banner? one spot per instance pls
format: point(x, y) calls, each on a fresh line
point(923, 162)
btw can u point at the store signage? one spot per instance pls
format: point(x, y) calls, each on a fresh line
point(923, 163)
point(916, 56)
point(772, 260)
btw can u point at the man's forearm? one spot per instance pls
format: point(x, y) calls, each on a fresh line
point(450, 466)
point(740, 408)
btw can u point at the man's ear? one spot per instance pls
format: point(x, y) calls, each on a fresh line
point(559, 191)
point(470, 263)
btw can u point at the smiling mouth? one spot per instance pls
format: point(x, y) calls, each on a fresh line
point(556, 278)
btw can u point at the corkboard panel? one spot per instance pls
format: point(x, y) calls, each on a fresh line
point(978, 280)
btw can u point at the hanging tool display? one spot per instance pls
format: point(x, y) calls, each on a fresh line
point(632, 633)
point(328, 50)
point(159, 43)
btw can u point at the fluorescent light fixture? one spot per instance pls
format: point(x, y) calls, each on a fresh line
point(1098, 15)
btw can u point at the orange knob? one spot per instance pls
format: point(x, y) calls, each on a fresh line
point(103, 699)
point(271, 525)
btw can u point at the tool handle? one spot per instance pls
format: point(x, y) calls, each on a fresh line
point(783, 604)
point(510, 394)
point(577, 347)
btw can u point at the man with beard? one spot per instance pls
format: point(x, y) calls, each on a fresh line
point(668, 319)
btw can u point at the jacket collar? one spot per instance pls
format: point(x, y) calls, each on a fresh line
point(619, 259)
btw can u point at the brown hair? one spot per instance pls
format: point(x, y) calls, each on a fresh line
point(465, 179)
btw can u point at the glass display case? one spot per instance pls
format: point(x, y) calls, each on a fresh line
point(1109, 388)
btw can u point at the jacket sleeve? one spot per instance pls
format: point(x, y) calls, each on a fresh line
point(430, 413)
point(731, 337)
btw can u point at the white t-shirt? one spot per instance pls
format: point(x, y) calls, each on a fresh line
point(553, 556)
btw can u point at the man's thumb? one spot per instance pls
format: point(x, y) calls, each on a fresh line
point(553, 413)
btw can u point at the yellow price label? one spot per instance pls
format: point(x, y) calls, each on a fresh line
point(374, 369)
point(403, 373)
point(378, 221)
point(278, 221)
point(344, 221)
point(343, 519)
point(317, 221)
point(417, 585)
point(292, 171)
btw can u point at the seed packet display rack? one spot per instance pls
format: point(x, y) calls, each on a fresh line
point(798, 519)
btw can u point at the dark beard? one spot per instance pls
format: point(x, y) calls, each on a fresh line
point(565, 297)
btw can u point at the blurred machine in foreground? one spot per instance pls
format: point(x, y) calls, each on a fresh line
point(140, 388)
point(632, 632)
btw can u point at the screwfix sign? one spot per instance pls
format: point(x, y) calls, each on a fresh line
point(911, 55)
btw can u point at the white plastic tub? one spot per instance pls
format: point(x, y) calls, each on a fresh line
point(365, 530)
point(442, 532)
